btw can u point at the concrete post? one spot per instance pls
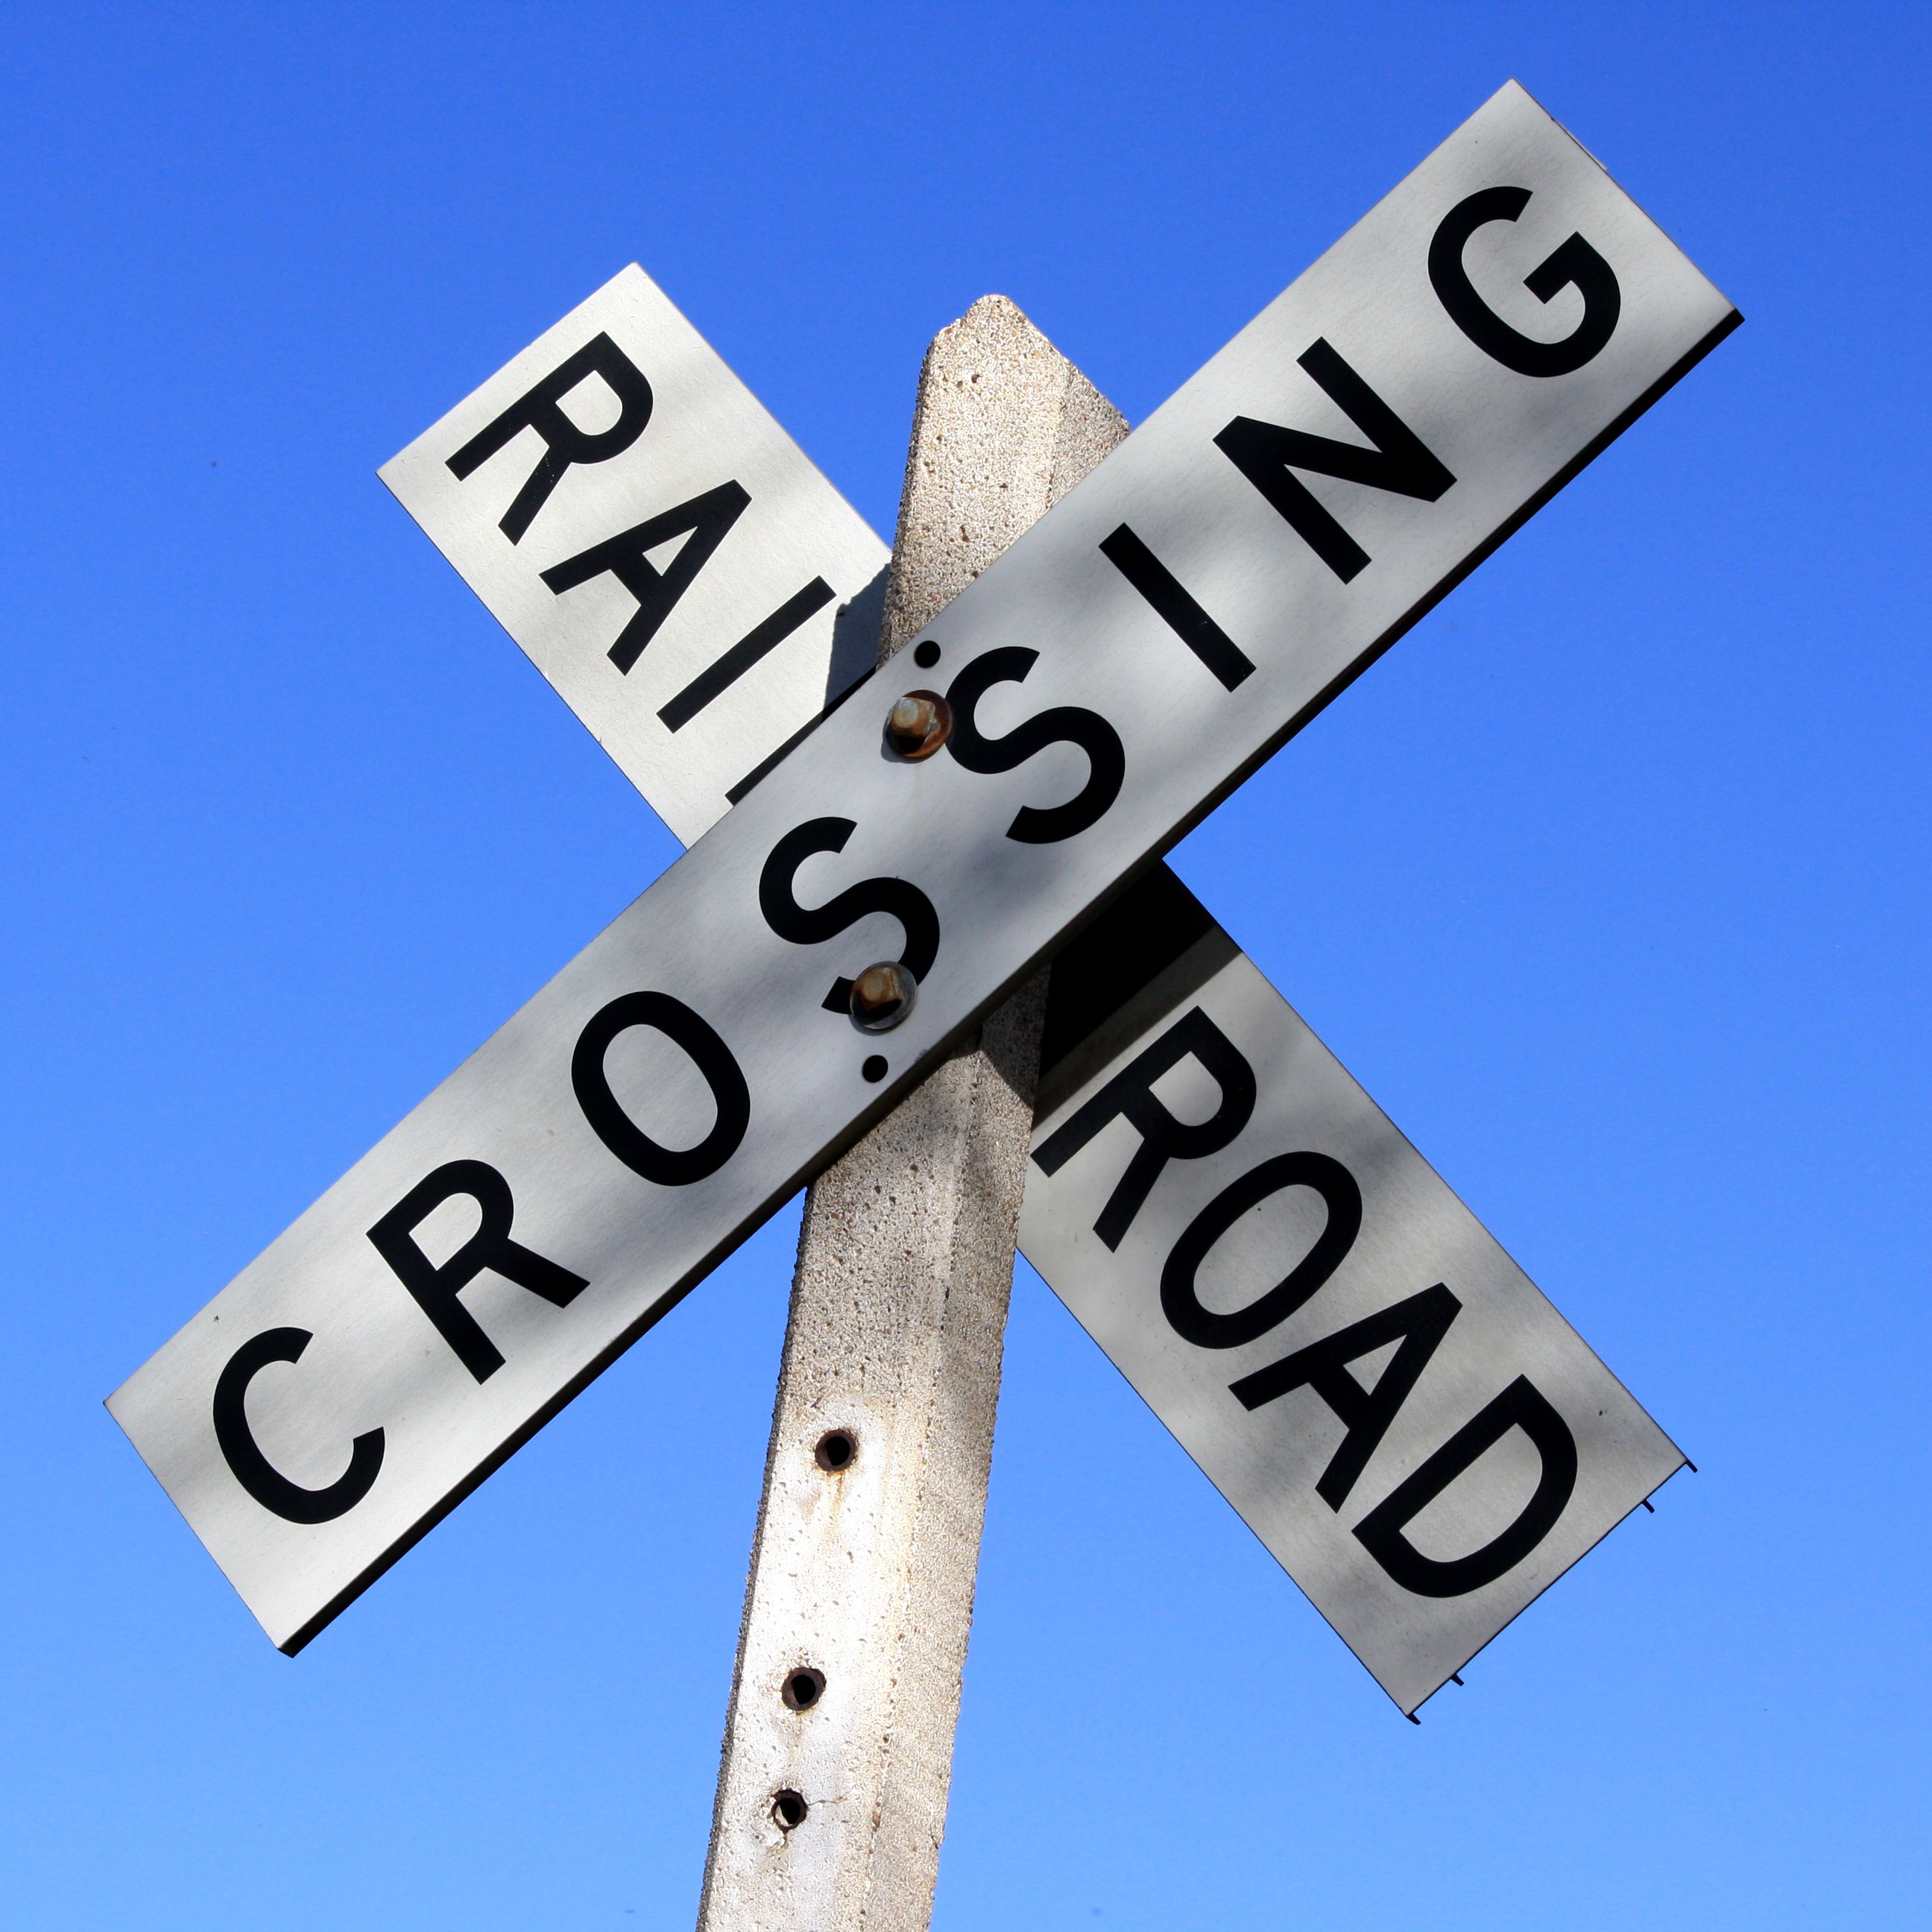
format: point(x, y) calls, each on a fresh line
point(838, 1745)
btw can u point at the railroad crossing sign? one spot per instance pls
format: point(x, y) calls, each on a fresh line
point(593, 546)
point(1128, 1019)
point(1401, 1416)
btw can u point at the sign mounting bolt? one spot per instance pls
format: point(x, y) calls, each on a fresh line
point(918, 725)
point(882, 997)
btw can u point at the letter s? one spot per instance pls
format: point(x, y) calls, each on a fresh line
point(812, 925)
point(1065, 723)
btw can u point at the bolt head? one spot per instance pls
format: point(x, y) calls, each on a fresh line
point(918, 725)
point(882, 997)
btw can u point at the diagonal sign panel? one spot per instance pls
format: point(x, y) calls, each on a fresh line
point(666, 555)
point(1421, 1441)
point(1179, 1085)
point(1381, 427)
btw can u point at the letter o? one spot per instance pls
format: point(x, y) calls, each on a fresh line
point(1180, 1301)
point(670, 1167)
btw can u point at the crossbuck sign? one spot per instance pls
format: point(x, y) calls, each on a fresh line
point(1405, 1421)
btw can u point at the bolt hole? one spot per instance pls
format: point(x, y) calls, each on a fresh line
point(926, 655)
point(803, 1688)
point(872, 1071)
point(836, 1449)
point(788, 1810)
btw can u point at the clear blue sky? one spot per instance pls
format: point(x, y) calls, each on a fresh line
point(1609, 883)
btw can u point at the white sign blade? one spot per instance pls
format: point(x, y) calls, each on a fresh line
point(667, 555)
point(1115, 1003)
point(1102, 991)
point(1162, 630)
point(1418, 1437)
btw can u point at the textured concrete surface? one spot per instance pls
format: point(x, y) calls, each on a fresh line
point(865, 1574)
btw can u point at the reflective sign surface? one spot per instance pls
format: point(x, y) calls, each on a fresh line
point(1277, 524)
point(668, 557)
point(1419, 1437)
point(1126, 1020)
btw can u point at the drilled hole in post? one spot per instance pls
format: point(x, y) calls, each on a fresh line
point(803, 1688)
point(788, 1810)
point(836, 1449)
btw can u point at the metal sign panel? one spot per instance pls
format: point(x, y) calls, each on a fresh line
point(666, 555)
point(1163, 628)
point(1418, 1437)
point(1152, 993)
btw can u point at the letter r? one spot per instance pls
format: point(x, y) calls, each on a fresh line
point(436, 1288)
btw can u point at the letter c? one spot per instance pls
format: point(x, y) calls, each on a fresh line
point(252, 1470)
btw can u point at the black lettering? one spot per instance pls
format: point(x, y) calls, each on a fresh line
point(812, 925)
point(1179, 1301)
point(670, 1167)
point(1130, 1094)
point(435, 1289)
point(1418, 1323)
point(1575, 264)
point(708, 517)
point(252, 1470)
point(1381, 1532)
point(1064, 724)
point(1174, 604)
point(1399, 461)
point(762, 639)
point(564, 443)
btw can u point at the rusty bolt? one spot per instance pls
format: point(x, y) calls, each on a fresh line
point(882, 996)
point(918, 725)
